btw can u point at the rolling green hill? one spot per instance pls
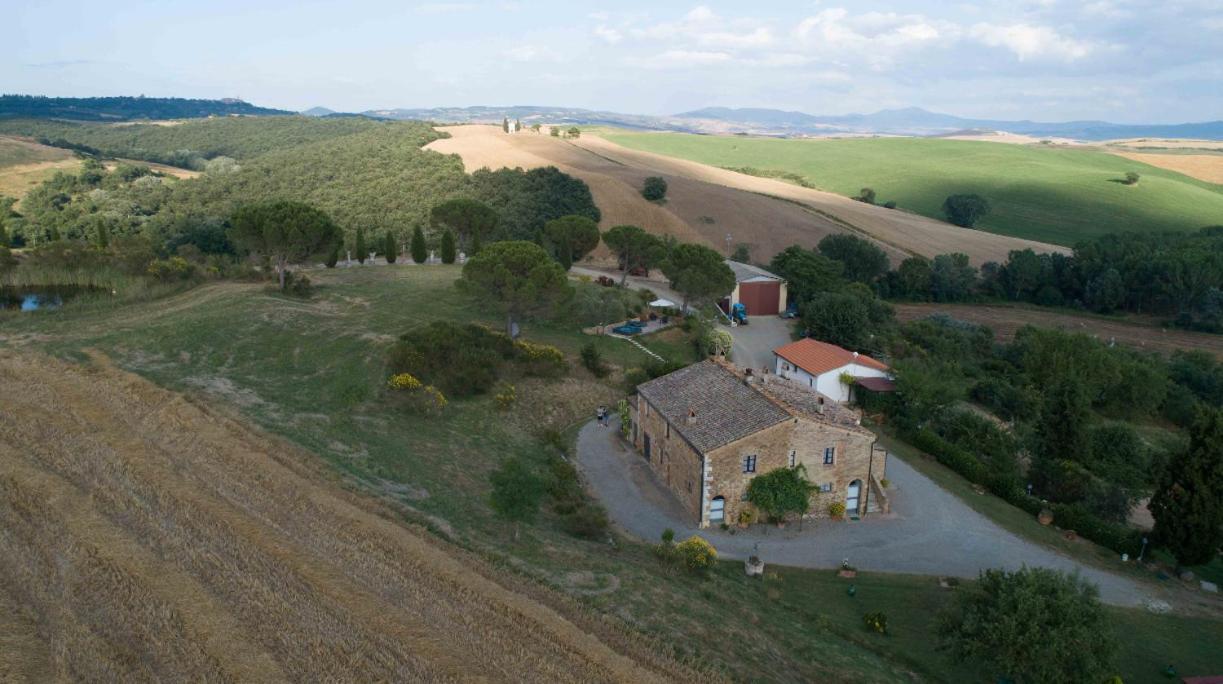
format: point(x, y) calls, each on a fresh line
point(1057, 195)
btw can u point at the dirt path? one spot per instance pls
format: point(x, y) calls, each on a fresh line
point(1006, 320)
point(902, 231)
point(695, 210)
point(150, 537)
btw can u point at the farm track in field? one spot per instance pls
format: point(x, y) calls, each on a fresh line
point(145, 536)
point(1006, 320)
point(705, 203)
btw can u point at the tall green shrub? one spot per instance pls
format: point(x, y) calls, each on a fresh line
point(420, 250)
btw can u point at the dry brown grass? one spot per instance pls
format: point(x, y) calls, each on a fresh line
point(705, 203)
point(148, 537)
point(1006, 320)
point(1207, 167)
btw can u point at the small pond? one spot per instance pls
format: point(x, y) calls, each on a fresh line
point(40, 298)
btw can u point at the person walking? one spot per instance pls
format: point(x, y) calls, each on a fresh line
point(601, 415)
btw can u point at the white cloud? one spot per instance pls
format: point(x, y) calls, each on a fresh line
point(531, 53)
point(1031, 42)
point(691, 58)
point(609, 35)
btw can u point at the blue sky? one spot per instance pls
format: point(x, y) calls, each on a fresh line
point(1119, 60)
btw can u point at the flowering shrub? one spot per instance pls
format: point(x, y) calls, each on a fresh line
point(540, 359)
point(696, 554)
point(403, 381)
point(434, 398)
point(836, 509)
point(506, 397)
point(424, 397)
point(876, 622)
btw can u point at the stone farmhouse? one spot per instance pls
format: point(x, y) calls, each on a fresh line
point(708, 429)
point(820, 366)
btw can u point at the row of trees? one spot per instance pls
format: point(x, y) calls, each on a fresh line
point(1179, 275)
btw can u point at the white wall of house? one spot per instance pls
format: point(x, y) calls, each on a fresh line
point(828, 383)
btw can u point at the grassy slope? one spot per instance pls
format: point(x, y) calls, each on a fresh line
point(1056, 195)
point(310, 371)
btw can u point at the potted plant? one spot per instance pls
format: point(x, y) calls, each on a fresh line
point(836, 510)
point(747, 517)
point(847, 570)
point(1045, 517)
point(753, 566)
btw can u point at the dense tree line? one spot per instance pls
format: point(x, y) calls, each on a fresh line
point(125, 108)
point(191, 144)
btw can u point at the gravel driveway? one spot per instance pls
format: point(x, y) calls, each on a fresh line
point(929, 532)
point(755, 342)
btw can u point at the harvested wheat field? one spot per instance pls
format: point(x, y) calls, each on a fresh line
point(146, 537)
point(1207, 167)
point(903, 232)
point(695, 210)
point(1006, 320)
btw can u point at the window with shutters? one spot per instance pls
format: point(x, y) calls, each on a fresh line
point(749, 463)
point(793, 458)
point(830, 455)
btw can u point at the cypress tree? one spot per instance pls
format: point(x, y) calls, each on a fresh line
point(1188, 506)
point(103, 235)
point(333, 258)
point(3, 235)
point(420, 251)
point(505, 124)
point(390, 248)
point(448, 247)
point(360, 247)
point(476, 246)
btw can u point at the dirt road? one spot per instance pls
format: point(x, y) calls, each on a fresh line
point(146, 537)
point(706, 204)
point(694, 211)
point(1005, 320)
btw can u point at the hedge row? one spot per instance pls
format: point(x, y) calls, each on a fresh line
point(1117, 537)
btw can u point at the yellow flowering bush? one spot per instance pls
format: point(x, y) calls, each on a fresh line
point(696, 554)
point(435, 398)
point(404, 381)
point(424, 397)
point(541, 360)
point(506, 397)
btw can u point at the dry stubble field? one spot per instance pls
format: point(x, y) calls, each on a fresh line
point(1207, 167)
point(147, 537)
point(705, 203)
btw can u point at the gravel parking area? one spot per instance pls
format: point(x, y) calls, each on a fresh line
point(928, 532)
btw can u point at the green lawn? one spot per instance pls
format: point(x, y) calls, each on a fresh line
point(312, 371)
point(1053, 194)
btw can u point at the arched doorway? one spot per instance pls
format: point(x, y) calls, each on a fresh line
point(851, 498)
point(717, 510)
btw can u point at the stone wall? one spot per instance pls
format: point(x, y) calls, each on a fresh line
point(806, 438)
point(673, 460)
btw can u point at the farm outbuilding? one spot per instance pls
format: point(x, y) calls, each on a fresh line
point(763, 293)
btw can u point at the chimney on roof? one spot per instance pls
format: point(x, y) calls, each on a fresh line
point(691, 417)
point(747, 376)
point(819, 403)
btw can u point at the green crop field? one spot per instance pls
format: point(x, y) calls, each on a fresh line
point(312, 371)
point(1052, 194)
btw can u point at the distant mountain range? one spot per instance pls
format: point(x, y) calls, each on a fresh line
point(909, 121)
point(711, 120)
point(124, 108)
point(916, 121)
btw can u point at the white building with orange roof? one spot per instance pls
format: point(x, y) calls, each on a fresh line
point(820, 367)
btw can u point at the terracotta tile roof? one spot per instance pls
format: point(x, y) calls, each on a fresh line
point(818, 358)
point(726, 408)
